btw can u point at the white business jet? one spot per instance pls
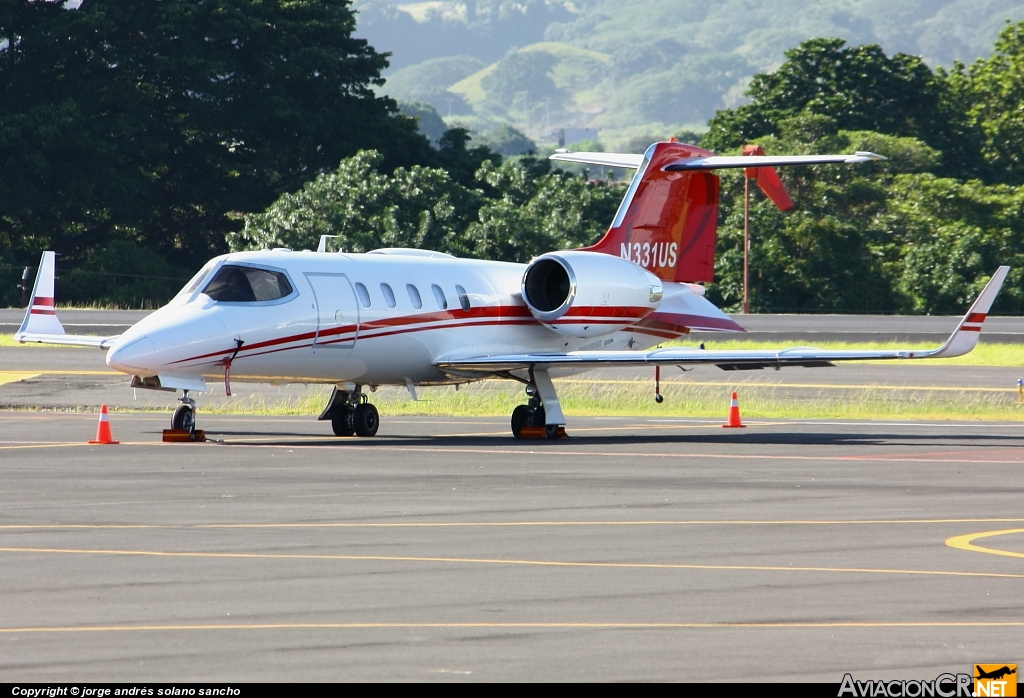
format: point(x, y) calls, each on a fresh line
point(414, 318)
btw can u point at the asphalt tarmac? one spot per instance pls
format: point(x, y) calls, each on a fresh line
point(442, 550)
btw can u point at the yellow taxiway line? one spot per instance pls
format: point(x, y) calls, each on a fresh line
point(552, 625)
point(513, 524)
point(965, 542)
point(507, 562)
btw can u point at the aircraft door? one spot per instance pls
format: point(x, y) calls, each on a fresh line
point(337, 314)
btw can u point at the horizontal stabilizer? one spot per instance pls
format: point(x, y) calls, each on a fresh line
point(724, 162)
point(605, 159)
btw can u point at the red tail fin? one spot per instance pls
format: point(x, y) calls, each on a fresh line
point(667, 220)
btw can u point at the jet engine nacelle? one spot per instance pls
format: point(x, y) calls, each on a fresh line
point(588, 294)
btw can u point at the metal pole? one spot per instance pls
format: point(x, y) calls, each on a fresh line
point(746, 244)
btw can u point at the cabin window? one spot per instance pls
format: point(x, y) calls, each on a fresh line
point(414, 296)
point(389, 295)
point(463, 298)
point(442, 302)
point(237, 284)
point(364, 295)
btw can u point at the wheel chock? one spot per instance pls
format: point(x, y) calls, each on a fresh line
point(541, 433)
point(178, 436)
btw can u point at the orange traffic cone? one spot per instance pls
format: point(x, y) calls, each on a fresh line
point(103, 435)
point(734, 415)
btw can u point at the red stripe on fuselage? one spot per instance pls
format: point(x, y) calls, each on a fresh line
point(500, 312)
point(976, 317)
point(450, 319)
point(42, 300)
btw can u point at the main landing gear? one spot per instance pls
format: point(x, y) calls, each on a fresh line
point(542, 416)
point(350, 413)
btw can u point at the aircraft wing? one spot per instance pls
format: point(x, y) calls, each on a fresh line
point(41, 325)
point(69, 340)
point(963, 340)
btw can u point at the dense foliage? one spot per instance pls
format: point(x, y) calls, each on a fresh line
point(919, 233)
point(160, 123)
point(511, 211)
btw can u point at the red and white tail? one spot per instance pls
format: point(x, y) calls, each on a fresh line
point(40, 317)
point(667, 221)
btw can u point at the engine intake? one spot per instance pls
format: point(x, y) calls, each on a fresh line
point(587, 294)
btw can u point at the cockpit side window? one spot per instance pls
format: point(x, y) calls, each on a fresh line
point(237, 284)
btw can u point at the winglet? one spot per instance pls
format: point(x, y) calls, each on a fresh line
point(40, 317)
point(967, 333)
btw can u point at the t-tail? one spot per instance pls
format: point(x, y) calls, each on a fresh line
point(667, 222)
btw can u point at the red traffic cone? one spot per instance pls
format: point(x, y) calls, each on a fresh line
point(103, 435)
point(734, 415)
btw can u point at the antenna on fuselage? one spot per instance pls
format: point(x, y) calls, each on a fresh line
point(322, 247)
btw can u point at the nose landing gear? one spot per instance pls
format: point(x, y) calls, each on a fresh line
point(351, 413)
point(184, 417)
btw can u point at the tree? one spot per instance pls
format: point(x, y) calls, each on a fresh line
point(161, 122)
point(537, 211)
point(507, 141)
point(862, 89)
point(991, 94)
point(515, 211)
point(417, 207)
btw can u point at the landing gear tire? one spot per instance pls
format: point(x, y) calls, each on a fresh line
point(366, 420)
point(519, 415)
point(343, 421)
point(526, 416)
point(184, 418)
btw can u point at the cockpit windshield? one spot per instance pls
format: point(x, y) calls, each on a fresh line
point(238, 284)
point(196, 281)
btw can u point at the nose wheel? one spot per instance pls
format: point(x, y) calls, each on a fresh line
point(184, 417)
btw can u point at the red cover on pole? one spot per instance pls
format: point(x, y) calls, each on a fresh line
point(768, 180)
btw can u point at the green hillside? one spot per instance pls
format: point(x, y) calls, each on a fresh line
point(635, 68)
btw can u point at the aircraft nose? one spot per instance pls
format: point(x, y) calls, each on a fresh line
point(132, 356)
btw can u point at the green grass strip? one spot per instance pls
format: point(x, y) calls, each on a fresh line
point(580, 397)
